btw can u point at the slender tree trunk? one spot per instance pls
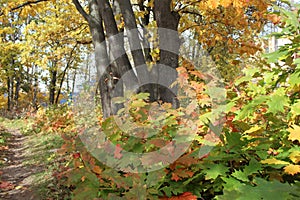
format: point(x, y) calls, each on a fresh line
point(35, 88)
point(17, 92)
point(9, 100)
point(52, 89)
point(73, 83)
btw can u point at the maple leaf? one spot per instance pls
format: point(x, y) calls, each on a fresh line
point(294, 133)
point(175, 177)
point(117, 153)
point(183, 196)
point(292, 169)
point(295, 156)
point(277, 101)
point(274, 161)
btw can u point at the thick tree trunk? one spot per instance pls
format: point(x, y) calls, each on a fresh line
point(115, 40)
point(105, 32)
point(170, 44)
point(132, 32)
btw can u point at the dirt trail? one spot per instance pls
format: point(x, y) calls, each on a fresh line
point(16, 181)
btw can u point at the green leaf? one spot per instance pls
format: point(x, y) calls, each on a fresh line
point(295, 108)
point(294, 79)
point(238, 174)
point(214, 170)
point(253, 167)
point(234, 141)
point(249, 108)
point(263, 190)
point(138, 104)
point(277, 101)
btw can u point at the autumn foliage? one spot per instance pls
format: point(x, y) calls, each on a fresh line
point(244, 147)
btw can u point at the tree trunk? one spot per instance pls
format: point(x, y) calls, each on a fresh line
point(104, 31)
point(17, 92)
point(9, 91)
point(52, 87)
point(35, 89)
point(168, 19)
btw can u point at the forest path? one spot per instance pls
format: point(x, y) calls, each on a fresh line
point(16, 174)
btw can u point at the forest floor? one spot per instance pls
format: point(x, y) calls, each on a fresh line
point(26, 164)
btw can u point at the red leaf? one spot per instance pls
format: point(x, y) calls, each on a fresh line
point(175, 177)
point(118, 150)
point(76, 155)
point(6, 185)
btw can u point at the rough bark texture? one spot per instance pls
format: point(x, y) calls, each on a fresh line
point(169, 20)
point(111, 59)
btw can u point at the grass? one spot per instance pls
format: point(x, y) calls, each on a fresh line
point(12, 124)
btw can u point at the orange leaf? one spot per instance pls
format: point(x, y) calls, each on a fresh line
point(97, 169)
point(183, 196)
point(175, 177)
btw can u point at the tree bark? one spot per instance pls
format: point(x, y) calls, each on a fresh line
point(105, 34)
point(169, 20)
point(52, 87)
point(17, 92)
point(35, 88)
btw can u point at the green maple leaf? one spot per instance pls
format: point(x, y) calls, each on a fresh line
point(214, 170)
point(277, 101)
point(263, 190)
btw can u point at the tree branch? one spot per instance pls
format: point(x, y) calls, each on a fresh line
point(78, 6)
point(28, 3)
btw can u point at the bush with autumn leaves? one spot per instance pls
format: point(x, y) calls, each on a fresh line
point(256, 156)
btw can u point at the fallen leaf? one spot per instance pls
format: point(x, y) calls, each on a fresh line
point(18, 187)
point(5, 185)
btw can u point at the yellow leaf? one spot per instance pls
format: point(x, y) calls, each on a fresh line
point(295, 156)
point(18, 187)
point(226, 3)
point(213, 4)
point(274, 161)
point(253, 129)
point(292, 169)
point(294, 133)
